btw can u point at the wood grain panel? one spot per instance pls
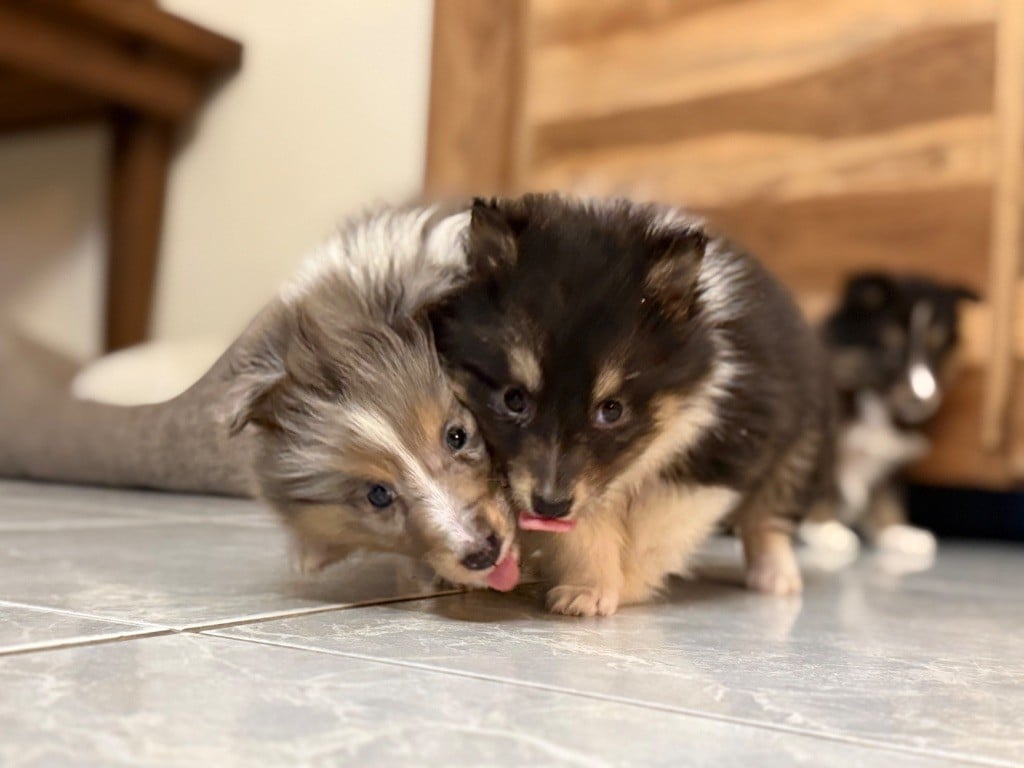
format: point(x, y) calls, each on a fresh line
point(1008, 199)
point(473, 141)
point(813, 244)
point(730, 168)
point(729, 47)
point(920, 77)
point(571, 21)
point(958, 457)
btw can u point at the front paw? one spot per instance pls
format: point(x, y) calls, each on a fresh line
point(775, 576)
point(573, 600)
point(906, 540)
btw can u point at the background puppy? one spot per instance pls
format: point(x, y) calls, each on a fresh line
point(639, 380)
point(892, 341)
point(342, 417)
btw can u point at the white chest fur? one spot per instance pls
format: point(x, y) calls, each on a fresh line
point(871, 450)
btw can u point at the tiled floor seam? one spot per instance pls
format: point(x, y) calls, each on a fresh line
point(938, 755)
point(61, 645)
point(261, 619)
point(142, 520)
point(227, 623)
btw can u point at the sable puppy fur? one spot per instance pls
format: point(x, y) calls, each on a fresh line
point(343, 419)
point(640, 380)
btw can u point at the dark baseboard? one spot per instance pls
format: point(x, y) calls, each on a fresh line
point(967, 513)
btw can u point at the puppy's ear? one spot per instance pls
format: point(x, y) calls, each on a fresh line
point(672, 271)
point(961, 292)
point(493, 228)
point(869, 291)
point(255, 389)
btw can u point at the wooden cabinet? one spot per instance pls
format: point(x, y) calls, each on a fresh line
point(828, 137)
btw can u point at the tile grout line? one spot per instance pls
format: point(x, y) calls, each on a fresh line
point(684, 711)
point(312, 611)
point(61, 645)
point(151, 629)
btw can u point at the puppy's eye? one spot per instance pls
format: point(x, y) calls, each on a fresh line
point(516, 400)
point(380, 496)
point(608, 412)
point(455, 436)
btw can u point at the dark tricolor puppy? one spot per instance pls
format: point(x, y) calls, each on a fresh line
point(892, 340)
point(640, 381)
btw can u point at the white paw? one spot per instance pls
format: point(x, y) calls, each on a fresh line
point(906, 540)
point(830, 535)
point(775, 577)
point(575, 600)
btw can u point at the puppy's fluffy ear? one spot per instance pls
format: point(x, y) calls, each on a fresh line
point(963, 293)
point(672, 272)
point(255, 388)
point(493, 228)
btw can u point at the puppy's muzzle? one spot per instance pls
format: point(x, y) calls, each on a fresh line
point(550, 509)
point(484, 557)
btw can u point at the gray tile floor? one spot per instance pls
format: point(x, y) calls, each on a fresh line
point(142, 629)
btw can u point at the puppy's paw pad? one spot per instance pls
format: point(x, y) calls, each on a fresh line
point(906, 540)
point(775, 579)
point(573, 600)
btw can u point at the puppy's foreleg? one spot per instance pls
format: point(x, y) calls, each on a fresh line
point(771, 564)
point(586, 566)
point(885, 525)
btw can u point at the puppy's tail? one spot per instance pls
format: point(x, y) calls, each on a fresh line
point(178, 445)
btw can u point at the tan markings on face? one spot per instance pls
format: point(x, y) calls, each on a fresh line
point(678, 422)
point(608, 383)
point(523, 365)
point(415, 442)
point(336, 525)
point(376, 466)
point(521, 481)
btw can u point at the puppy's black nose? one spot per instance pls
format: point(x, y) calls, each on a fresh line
point(484, 557)
point(551, 509)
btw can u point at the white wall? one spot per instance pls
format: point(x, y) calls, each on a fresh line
point(52, 239)
point(328, 113)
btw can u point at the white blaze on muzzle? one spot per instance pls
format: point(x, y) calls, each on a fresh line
point(920, 377)
point(445, 514)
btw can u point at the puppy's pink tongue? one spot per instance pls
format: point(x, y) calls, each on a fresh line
point(530, 522)
point(505, 575)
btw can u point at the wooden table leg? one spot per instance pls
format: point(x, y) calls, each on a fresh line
point(142, 148)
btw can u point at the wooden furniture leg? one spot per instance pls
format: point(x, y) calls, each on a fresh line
point(142, 147)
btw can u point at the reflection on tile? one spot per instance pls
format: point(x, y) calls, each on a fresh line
point(185, 574)
point(986, 569)
point(23, 628)
point(27, 506)
point(192, 700)
point(897, 663)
